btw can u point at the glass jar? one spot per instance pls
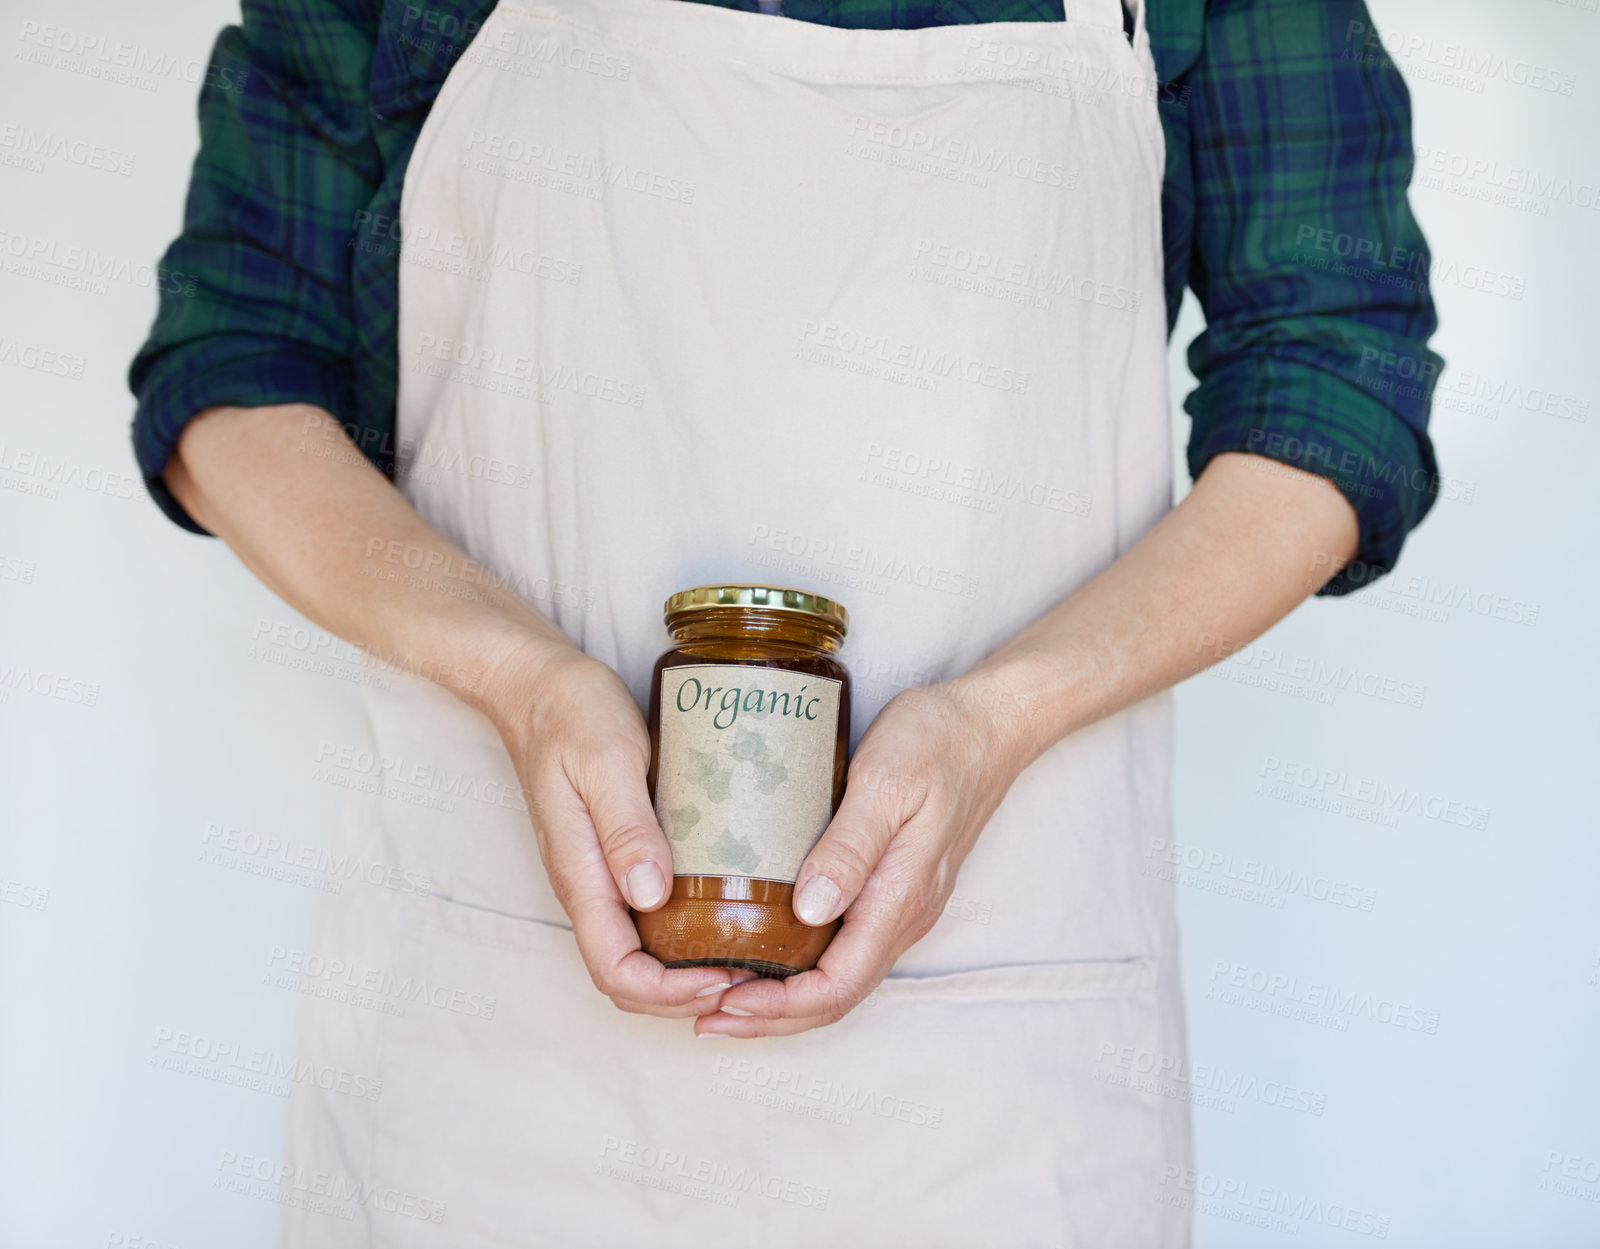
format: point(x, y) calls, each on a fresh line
point(749, 735)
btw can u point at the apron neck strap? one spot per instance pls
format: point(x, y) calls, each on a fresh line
point(1135, 9)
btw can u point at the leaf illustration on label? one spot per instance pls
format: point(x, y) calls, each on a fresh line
point(752, 748)
point(681, 821)
point(704, 771)
point(735, 852)
point(769, 776)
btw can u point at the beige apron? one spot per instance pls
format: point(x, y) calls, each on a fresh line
point(695, 295)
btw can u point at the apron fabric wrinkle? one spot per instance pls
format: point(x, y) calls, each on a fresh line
point(750, 338)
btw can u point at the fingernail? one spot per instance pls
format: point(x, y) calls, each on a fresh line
point(645, 885)
point(706, 1036)
point(714, 988)
point(734, 1010)
point(817, 900)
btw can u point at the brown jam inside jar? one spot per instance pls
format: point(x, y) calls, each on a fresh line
point(749, 736)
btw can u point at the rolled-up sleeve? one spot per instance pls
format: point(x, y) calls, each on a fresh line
point(1311, 271)
point(255, 301)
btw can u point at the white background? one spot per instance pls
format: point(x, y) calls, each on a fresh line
point(117, 932)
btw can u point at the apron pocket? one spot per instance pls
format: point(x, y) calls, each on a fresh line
point(945, 1110)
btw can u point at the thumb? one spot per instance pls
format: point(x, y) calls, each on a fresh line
point(629, 835)
point(844, 857)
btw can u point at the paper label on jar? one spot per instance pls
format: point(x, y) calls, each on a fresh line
point(744, 782)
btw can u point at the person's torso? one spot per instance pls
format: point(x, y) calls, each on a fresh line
point(689, 296)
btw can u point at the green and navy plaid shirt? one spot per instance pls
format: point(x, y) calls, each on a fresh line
point(1284, 209)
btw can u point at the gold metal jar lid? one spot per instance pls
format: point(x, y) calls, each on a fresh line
point(768, 597)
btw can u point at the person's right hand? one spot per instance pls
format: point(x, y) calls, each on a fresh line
point(581, 751)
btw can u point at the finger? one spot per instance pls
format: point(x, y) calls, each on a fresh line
point(706, 1001)
point(605, 932)
point(690, 1010)
point(789, 1009)
point(612, 784)
point(856, 960)
point(845, 856)
point(642, 980)
point(719, 1025)
point(871, 939)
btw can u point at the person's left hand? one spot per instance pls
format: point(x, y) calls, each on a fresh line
point(923, 783)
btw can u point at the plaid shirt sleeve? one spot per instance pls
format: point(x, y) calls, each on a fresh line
point(264, 313)
point(1310, 268)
